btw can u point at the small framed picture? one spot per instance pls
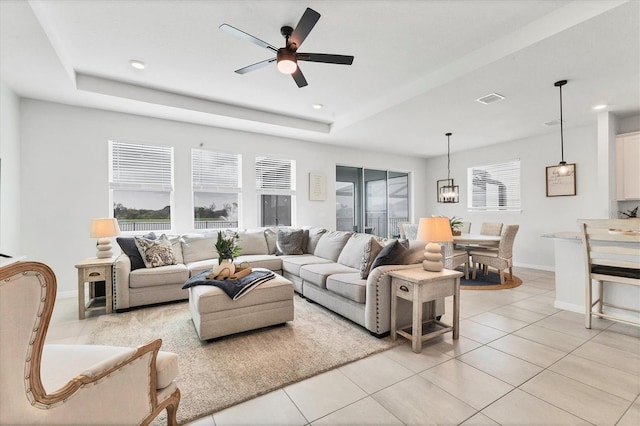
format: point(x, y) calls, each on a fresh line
point(440, 184)
point(560, 185)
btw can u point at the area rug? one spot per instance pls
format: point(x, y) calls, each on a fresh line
point(488, 282)
point(233, 369)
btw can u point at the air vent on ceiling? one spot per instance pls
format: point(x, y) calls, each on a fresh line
point(490, 98)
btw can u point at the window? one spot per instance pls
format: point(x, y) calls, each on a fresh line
point(372, 201)
point(141, 184)
point(495, 187)
point(216, 184)
point(275, 183)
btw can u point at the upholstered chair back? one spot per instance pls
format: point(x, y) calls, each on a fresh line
point(505, 249)
point(489, 228)
point(26, 302)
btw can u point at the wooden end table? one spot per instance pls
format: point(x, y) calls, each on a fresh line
point(420, 286)
point(90, 271)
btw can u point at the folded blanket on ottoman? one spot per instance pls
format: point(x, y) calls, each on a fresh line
point(235, 289)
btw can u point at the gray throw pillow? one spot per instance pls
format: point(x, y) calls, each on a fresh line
point(289, 242)
point(371, 251)
point(391, 254)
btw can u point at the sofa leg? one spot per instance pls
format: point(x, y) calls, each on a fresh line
point(380, 335)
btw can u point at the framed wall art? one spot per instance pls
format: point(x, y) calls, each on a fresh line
point(561, 185)
point(317, 187)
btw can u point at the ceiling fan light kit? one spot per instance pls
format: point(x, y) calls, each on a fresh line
point(287, 57)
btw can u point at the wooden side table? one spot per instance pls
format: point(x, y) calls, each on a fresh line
point(420, 286)
point(90, 271)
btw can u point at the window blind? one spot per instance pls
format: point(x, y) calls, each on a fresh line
point(140, 167)
point(275, 175)
point(215, 171)
point(494, 187)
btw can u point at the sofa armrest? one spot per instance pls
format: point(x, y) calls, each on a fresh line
point(378, 297)
point(122, 269)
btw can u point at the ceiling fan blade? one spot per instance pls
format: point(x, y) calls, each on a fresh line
point(307, 22)
point(325, 58)
point(255, 66)
point(299, 78)
point(241, 34)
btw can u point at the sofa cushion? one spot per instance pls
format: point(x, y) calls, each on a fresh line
point(317, 274)
point(371, 251)
point(163, 275)
point(176, 244)
point(414, 253)
point(391, 254)
point(199, 247)
point(350, 286)
point(313, 234)
point(331, 244)
point(351, 254)
point(289, 241)
point(293, 263)
point(271, 235)
point(253, 242)
point(156, 252)
point(201, 266)
point(266, 261)
point(129, 247)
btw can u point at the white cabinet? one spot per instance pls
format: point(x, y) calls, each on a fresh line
point(628, 166)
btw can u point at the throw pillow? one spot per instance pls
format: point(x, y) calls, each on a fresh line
point(289, 242)
point(371, 251)
point(156, 252)
point(129, 247)
point(391, 254)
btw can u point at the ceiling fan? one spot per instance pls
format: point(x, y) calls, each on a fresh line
point(287, 57)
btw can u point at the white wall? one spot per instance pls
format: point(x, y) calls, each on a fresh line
point(540, 214)
point(10, 172)
point(65, 175)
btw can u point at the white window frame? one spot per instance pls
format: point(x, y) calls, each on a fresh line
point(135, 166)
point(216, 172)
point(278, 184)
point(496, 177)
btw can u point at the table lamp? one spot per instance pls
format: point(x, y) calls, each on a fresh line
point(103, 229)
point(434, 230)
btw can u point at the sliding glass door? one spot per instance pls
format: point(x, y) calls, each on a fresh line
point(371, 201)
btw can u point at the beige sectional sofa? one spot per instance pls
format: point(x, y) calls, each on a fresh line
point(327, 272)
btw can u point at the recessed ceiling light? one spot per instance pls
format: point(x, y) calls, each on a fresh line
point(139, 65)
point(603, 106)
point(317, 106)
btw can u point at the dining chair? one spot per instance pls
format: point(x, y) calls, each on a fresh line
point(612, 257)
point(465, 228)
point(411, 231)
point(501, 259)
point(454, 258)
point(489, 228)
point(73, 384)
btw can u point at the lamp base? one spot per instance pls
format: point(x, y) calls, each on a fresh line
point(104, 248)
point(432, 258)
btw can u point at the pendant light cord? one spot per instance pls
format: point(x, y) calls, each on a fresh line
point(561, 128)
point(448, 156)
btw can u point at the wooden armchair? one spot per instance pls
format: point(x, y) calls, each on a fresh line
point(72, 384)
point(612, 254)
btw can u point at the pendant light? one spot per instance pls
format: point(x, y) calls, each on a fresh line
point(563, 170)
point(450, 192)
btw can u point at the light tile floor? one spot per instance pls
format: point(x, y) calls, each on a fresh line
point(519, 360)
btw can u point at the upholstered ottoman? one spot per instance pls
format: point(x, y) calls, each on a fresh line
point(215, 314)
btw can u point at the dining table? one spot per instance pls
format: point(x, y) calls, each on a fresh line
point(477, 239)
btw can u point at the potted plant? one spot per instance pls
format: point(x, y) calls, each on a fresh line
point(455, 223)
point(228, 249)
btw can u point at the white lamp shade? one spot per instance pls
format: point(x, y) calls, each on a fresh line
point(434, 229)
point(104, 228)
